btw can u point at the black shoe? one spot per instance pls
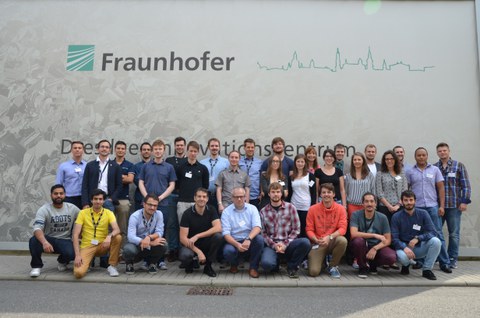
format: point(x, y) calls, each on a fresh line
point(196, 264)
point(363, 273)
point(373, 271)
point(405, 270)
point(428, 274)
point(188, 269)
point(446, 269)
point(130, 270)
point(152, 269)
point(417, 265)
point(292, 273)
point(207, 269)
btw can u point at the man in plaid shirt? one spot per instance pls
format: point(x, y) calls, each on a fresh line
point(457, 196)
point(280, 229)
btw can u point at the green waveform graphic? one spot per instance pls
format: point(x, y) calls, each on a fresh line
point(368, 64)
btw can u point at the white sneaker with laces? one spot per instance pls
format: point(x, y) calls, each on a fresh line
point(112, 270)
point(61, 267)
point(162, 266)
point(35, 272)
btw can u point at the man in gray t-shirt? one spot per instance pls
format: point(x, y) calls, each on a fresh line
point(52, 231)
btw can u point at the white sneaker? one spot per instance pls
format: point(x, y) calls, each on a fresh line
point(61, 267)
point(305, 264)
point(162, 266)
point(35, 272)
point(112, 270)
point(355, 264)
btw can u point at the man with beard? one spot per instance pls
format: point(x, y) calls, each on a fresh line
point(52, 231)
point(400, 152)
point(278, 148)
point(251, 165)
point(370, 153)
point(215, 164)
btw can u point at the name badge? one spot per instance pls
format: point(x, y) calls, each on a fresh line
point(78, 170)
point(188, 175)
point(417, 227)
point(314, 247)
point(241, 223)
point(452, 175)
point(281, 183)
point(311, 183)
point(94, 242)
point(398, 178)
point(429, 175)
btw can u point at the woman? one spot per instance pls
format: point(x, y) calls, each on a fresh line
point(330, 174)
point(359, 181)
point(301, 190)
point(273, 174)
point(312, 162)
point(390, 182)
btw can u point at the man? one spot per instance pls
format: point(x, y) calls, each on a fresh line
point(278, 148)
point(251, 165)
point(241, 227)
point(179, 156)
point(146, 153)
point(426, 181)
point(457, 196)
point(400, 152)
point(145, 236)
point(414, 236)
point(92, 226)
point(70, 175)
point(122, 210)
point(200, 234)
point(158, 177)
point(102, 173)
point(340, 162)
point(52, 231)
point(229, 179)
point(370, 153)
point(326, 227)
point(370, 237)
point(280, 230)
point(215, 164)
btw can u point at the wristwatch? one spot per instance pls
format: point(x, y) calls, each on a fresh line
point(248, 238)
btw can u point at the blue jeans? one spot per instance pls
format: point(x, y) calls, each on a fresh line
point(171, 225)
point(63, 247)
point(108, 204)
point(428, 250)
point(453, 217)
point(443, 258)
point(231, 254)
point(295, 253)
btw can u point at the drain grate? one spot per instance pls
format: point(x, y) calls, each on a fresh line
point(210, 291)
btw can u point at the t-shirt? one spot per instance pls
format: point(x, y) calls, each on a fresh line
point(101, 219)
point(197, 223)
point(333, 179)
point(57, 223)
point(378, 225)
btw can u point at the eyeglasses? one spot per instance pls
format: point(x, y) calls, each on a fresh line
point(151, 205)
point(275, 161)
point(238, 196)
point(389, 159)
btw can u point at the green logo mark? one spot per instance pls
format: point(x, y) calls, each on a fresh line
point(80, 57)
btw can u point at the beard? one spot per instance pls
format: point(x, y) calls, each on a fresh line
point(58, 201)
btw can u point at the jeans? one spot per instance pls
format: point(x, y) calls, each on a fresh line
point(133, 253)
point(108, 204)
point(453, 217)
point(428, 250)
point(295, 253)
point(208, 245)
point(443, 258)
point(171, 225)
point(231, 254)
point(64, 247)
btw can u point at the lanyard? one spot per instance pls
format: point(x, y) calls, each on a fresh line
point(102, 171)
point(148, 224)
point(95, 225)
point(365, 222)
point(248, 165)
point(212, 166)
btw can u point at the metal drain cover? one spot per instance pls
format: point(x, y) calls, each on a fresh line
point(210, 291)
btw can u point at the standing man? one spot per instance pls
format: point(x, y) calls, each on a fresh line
point(179, 156)
point(102, 173)
point(52, 231)
point(340, 162)
point(122, 210)
point(145, 236)
point(251, 165)
point(414, 236)
point(400, 152)
point(370, 237)
point(241, 227)
point(146, 153)
point(280, 230)
point(158, 177)
point(426, 181)
point(326, 227)
point(215, 164)
point(370, 153)
point(278, 148)
point(92, 226)
point(230, 179)
point(200, 234)
point(457, 196)
point(70, 175)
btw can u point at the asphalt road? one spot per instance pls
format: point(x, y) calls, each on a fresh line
point(59, 299)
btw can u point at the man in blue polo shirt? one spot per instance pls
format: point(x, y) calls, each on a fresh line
point(251, 165)
point(70, 175)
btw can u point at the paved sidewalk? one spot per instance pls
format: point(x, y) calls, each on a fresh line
point(14, 267)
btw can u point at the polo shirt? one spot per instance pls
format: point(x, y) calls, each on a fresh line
point(197, 223)
point(127, 167)
point(156, 177)
point(103, 218)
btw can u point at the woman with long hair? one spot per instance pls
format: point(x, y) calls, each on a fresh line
point(390, 182)
point(301, 190)
point(330, 174)
point(273, 174)
point(311, 158)
point(359, 181)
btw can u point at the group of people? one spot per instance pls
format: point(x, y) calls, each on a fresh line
point(241, 208)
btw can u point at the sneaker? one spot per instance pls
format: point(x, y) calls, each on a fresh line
point(162, 266)
point(305, 264)
point(363, 273)
point(355, 264)
point(35, 272)
point(292, 273)
point(334, 272)
point(112, 270)
point(453, 264)
point(405, 270)
point(373, 271)
point(152, 269)
point(130, 270)
point(395, 266)
point(144, 266)
point(428, 274)
point(446, 269)
point(61, 267)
